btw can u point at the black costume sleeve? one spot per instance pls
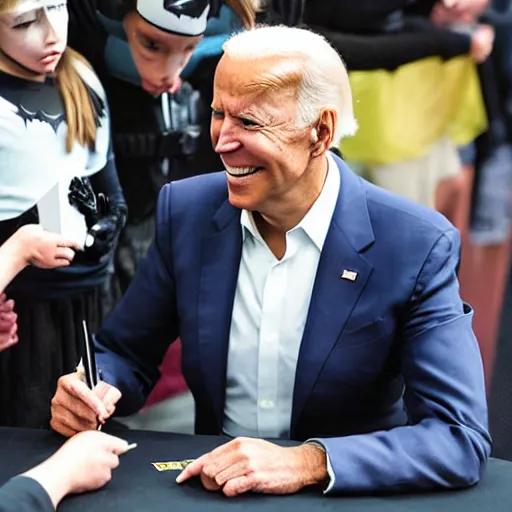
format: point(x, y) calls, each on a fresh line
point(111, 217)
point(106, 215)
point(106, 182)
point(23, 494)
point(390, 51)
point(361, 16)
point(420, 7)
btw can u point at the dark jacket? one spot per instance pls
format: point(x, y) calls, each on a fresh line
point(24, 494)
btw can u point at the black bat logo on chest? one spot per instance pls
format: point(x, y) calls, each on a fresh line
point(40, 115)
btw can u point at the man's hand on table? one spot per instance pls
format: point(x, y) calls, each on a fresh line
point(76, 408)
point(256, 465)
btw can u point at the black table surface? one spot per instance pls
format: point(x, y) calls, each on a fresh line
point(137, 486)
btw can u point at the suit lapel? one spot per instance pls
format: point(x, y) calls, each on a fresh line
point(220, 260)
point(334, 297)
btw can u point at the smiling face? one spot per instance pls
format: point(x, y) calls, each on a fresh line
point(34, 34)
point(158, 55)
point(272, 165)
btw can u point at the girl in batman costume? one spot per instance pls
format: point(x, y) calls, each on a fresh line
point(138, 49)
point(54, 128)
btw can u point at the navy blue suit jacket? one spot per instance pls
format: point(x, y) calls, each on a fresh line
point(389, 374)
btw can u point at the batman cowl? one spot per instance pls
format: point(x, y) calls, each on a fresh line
point(191, 8)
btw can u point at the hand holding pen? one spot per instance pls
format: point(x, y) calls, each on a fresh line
point(82, 401)
point(91, 375)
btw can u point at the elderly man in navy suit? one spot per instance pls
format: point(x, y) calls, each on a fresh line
point(311, 304)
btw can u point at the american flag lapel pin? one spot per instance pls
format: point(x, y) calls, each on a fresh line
point(349, 275)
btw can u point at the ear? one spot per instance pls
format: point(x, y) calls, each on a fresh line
point(322, 133)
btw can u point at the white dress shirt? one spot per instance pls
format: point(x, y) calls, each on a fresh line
point(269, 314)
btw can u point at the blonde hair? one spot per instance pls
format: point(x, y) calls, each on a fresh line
point(318, 71)
point(80, 112)
point(246, 10)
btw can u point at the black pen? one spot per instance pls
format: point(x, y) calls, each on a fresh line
point(90, 370)
point(91, 374)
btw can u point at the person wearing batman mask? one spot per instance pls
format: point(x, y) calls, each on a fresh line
point(139, 49)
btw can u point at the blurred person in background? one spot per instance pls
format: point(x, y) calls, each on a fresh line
point(488, 162)
point(55, 139)
point(389, 35)
point(462, 16)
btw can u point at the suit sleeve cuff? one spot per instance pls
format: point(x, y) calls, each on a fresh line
point(330, 471)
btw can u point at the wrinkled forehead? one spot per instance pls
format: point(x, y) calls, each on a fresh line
point(262, 97)
point(262, 76)
point(24, 6)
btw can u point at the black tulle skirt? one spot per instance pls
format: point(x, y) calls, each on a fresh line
point(49, 346)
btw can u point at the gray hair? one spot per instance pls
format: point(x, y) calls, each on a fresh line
point(324, 79)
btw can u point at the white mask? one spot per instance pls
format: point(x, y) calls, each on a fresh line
point(191, 22)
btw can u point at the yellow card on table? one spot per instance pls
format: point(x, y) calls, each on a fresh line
point(176, 465)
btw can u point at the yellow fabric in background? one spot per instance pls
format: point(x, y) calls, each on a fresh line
point(402, 113)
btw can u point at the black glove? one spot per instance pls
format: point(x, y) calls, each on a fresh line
point(103, 222)
point(82, 197)
point(103, 234)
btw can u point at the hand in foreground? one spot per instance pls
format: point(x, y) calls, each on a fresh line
point(446, 12)
point(43, 248)
point(256, 465)
point(76, 408)
point(83, 463)
point(8, 325)
point(466, 11)
point(474, 7)
point(482, 43)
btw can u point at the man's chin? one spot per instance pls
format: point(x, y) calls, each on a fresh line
point(242, 201)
